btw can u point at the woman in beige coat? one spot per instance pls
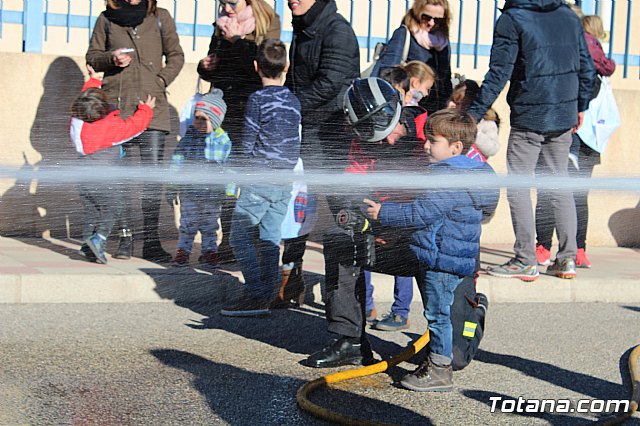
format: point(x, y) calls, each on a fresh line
point(136, 45)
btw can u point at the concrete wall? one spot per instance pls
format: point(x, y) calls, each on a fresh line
point(38, 89)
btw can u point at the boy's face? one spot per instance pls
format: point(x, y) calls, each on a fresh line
point(202, 123)
point(438, 148)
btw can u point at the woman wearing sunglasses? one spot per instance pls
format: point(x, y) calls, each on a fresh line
point(240, 28)
point(428, 22)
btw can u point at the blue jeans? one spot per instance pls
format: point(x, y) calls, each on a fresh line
point(259, 211)
point(402, 294)
point(369, 305)
point(199, 211)
point(437, 290)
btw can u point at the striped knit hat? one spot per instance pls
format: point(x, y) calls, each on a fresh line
point(214, 106)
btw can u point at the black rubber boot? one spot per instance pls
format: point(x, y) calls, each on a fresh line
point(341, 351)
point(125, 245)
point(152, 249)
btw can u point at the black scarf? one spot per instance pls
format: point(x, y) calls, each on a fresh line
point(302, 22)
point(127, 15)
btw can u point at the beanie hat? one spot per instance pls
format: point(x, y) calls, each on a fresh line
point(214, 106)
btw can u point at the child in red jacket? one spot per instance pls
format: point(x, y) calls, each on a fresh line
point(96, 132)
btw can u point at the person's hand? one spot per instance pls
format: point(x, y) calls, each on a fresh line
point(580, 121)
point(398, 132)
point(93, 73)
point(232, 32)
point(210, 62)
point(172, 197)
point(374, 208)
point(120, 59)
point(150, 102)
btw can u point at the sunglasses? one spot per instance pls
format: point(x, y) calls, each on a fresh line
point(233, 4)
point(426, 18)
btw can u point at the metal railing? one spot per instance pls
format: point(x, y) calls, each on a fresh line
point(373, 21)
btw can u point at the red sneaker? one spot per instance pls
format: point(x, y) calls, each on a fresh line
point(581, 259)
point(543, 255)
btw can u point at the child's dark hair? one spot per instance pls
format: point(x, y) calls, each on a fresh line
point(464, 93)
point(454, 125)
point(397, 76)
point(272, 57)
point(91, 105)
point(463, 96)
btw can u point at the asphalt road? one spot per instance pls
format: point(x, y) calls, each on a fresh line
point(165, 364)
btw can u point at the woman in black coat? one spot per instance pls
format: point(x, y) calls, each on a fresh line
point(324, 60)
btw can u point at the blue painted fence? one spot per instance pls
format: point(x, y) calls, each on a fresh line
point(36, 19)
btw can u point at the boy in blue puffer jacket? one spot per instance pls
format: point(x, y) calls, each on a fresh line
point(446, 228)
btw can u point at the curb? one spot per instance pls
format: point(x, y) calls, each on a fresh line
point(46, 271)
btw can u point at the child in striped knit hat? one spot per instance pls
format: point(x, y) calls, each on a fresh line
point(204, 148)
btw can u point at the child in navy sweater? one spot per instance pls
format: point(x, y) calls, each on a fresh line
point(270, 141)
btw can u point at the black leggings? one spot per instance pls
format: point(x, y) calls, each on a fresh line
point(146, 150)
point(587, 160)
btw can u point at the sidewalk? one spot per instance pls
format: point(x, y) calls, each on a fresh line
point(50, 271)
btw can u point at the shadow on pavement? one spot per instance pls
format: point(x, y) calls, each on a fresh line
point(232, 393)
point(301, 330)
point(190, 287)
point(578, 382)
point(597, 389)
point(620, 225)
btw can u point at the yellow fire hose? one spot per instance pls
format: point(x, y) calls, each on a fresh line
point(634, 373)
point(323, 413)
point(302, 396)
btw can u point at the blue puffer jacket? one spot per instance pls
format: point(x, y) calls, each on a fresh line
point(446, 223)
point(539, 45)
